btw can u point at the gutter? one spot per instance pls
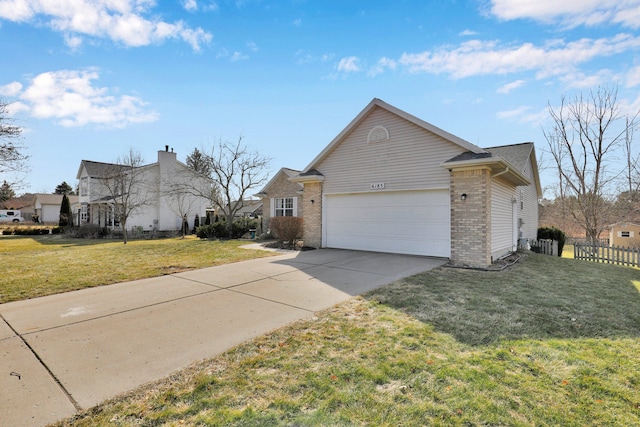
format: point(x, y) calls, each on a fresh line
point(501, 173)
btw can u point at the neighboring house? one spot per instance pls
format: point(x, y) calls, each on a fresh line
point(249, 208)
point(624, 234)
point(23, 203)
point(391, 182)
point(47, 207)
point(281, 196)
point(171, 191)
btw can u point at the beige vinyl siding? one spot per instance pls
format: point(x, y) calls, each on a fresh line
point(501, 217)
point(527, 208)
point(409, 159)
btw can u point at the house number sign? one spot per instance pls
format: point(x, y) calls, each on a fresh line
point(377, 186)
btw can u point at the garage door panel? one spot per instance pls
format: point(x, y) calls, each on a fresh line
point(411, 222)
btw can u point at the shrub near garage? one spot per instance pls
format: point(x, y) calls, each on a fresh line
point(287, 228)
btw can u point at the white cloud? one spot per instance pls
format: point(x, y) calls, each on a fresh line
point(466, 33)
point(383, 65)
point(190, 5)
point(238, 56)
point(632, 78)
point(297, 22)
point(69, 98)
point(522, 114)
point(72, 42)
point(349, 64)
point(306, 57)
point(16, 107)
point(252, 46)
point(516, 112)
point(122, 21)
point(571, 13)
point(476, 57)
point(11, 89)
point(581, 80)
point(510, 86)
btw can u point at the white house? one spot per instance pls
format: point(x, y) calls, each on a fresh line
point(47, 207)
point(166, 192)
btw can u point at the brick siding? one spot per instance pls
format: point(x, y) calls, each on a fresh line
point(312, 214)
point(471, 218)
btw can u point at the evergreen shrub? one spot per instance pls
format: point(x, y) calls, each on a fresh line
point(553, 233)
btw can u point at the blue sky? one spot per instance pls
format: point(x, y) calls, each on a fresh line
point(90, 79)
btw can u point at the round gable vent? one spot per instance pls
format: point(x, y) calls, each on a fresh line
point(377, 134)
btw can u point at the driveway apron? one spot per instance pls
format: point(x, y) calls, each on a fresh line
point(68, 352)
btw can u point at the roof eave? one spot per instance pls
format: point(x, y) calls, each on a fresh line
point(499, 167)
point(302, 179)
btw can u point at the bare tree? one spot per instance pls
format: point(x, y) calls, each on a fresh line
point(128, 186)
point(584, 142)
point(629, 197)
point(181, 193)
point(236, 171)
point(13, 159)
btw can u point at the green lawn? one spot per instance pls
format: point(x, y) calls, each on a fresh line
point(44, 265)
point(548, 342)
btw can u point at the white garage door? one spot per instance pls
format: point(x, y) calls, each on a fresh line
point(405, 222)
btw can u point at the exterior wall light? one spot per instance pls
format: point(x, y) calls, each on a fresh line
point(312, 201)
point(463, 197)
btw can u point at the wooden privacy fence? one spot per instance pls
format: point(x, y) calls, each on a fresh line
point(607, 254)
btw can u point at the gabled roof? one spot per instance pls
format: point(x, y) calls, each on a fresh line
point(378, 103)
point(516, 154)
point(53, 199)
point(508, 160)
point(289, 173)
point(96, 169)
point(498, 166)
point(520, 156)
point(249, 206)
point(24, 201)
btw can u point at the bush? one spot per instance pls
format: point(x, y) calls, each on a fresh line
point(553, 234)
point(87, 231)
point(211, 231)
point(287, 228)
point(7, 232)
point(243, 225)
point(219, 229)
point(206, 232)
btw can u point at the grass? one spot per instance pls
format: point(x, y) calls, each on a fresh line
point(43, 265)
point(548, 342)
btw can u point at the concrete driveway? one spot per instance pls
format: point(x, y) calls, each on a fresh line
point(64, 353)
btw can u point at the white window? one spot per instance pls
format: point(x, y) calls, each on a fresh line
point(625, 234)
point(285, 206)
point(84, 186)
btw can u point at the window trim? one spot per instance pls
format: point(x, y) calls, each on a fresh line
point(275, 209)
